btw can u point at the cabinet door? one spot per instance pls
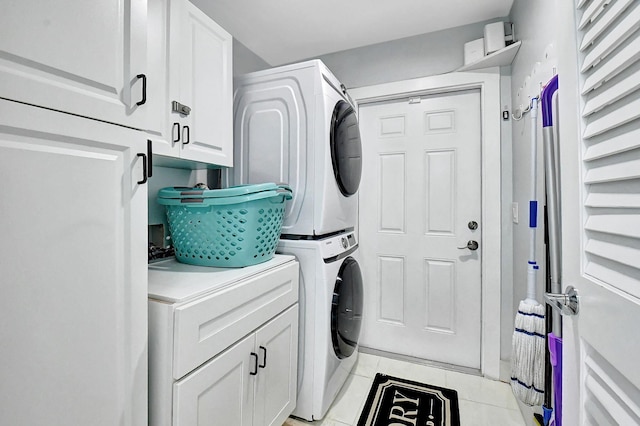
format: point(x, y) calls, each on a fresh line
point(209, 324)
point(73, 268)
point(159, 60)
point(77, 56)
point(277, 348)
point(219, 393)
point(205, 81)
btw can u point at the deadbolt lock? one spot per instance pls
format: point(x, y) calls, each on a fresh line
point(473, 225)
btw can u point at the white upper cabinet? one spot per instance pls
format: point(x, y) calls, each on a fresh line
point(83, 57)
point(202, 79)
point(195, 55)
point(158, 61)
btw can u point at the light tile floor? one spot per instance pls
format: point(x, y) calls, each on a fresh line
point(482, 401)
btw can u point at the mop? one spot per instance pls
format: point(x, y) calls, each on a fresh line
point(528, 343)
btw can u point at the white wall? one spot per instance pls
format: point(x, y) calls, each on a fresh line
point(506, 294)
point(535, 26)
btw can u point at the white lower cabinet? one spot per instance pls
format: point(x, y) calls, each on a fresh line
point(276, 380)
point(251, 383)
point(221, 392)
point(223, 344)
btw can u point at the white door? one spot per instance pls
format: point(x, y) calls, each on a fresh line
point(73, 271)
point(202, 79)
point(421, 189)
point(219, 393)
point(276, 382)
point(600, 152)
point(77, 56)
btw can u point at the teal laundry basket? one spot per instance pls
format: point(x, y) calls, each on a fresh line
point(228, 228)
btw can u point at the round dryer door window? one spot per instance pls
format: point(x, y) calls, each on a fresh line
point(346, 308)
point(346, 148)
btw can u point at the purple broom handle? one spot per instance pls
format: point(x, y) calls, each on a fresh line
point(547, 101)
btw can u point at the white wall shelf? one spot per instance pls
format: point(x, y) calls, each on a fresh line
point(500, 58)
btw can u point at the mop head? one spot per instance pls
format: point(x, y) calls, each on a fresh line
point(527, 356)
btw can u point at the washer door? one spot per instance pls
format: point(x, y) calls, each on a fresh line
point(346, 309)
point(346, 148)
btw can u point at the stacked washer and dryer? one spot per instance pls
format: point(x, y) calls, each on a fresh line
point(297, 124)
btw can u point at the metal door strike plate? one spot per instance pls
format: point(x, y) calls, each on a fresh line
point(179, 108)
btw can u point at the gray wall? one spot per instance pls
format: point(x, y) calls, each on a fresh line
point(244, 60)
point(419, 56)
point(168, 176)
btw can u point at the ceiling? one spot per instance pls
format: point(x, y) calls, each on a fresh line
point(284, 31)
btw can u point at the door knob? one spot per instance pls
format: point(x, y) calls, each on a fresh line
point(471, 245)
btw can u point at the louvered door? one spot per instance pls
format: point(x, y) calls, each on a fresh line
point(599, 124)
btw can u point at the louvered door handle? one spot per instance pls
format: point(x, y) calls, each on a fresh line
point(567, 303)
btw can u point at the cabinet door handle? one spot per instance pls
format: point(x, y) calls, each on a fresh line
point(186, 139)
point(144, 168)
point(176, 126)
point(144, 89)
point(255, 364)
point(264, 359)
point(149, 158)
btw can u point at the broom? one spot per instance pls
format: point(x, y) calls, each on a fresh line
point(528, 343)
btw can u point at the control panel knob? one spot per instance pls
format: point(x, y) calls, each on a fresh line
point(345, 243)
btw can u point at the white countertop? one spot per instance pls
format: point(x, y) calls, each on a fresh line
point(172, 281)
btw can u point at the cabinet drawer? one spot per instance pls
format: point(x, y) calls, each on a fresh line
point(206, 327)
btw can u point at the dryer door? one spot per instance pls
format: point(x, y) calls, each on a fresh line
point(346, 308)
point(346, 149)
